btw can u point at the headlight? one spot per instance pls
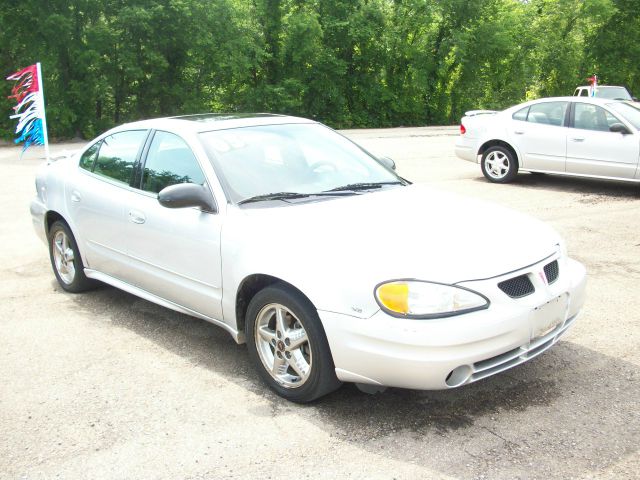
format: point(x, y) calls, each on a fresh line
point(417, 299)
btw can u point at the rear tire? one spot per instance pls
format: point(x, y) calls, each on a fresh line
point(499, 164)
point(66, 260)
point(288, 346)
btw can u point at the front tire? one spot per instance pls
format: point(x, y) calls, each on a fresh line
point(287, 345)
point(499, 164)
point(66, 261)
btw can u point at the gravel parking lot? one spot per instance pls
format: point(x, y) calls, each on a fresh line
point(104, 385)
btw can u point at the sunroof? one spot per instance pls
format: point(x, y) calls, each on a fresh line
point(216, 117)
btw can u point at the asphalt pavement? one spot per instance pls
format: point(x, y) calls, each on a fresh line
point(104, 385)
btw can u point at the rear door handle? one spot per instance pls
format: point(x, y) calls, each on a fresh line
point(136, 216)
point(75, 196)
point(518, 132)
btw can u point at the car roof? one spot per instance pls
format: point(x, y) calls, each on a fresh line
point(594, 100)
point(205, 122)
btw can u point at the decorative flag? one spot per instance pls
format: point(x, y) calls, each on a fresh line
point(594, 84)
point(28, 92)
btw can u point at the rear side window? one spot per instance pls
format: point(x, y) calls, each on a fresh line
point(88, 158)
point(548, 113)
point(521, 114)
point(170, 161)
point(118, 154)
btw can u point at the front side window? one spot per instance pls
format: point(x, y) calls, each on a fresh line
point(592, 117)
point(170, 161)
point(88, 158)
point(118, 153)
point(548, 113)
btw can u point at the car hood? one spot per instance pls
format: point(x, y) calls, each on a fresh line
point(404, 232)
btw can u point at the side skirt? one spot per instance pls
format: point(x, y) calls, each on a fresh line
point(114, 282)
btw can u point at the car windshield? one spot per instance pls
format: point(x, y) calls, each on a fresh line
point(275, 161)
point(628, 111)
point(613, 93)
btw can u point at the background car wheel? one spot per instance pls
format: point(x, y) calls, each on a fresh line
point(288, 346)
point(66, 261)
point(499, 164)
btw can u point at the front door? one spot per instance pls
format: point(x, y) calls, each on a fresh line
point(174, 253)
point(592, 149)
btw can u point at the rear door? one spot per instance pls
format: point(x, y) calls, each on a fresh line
point(592, 149)
point(96, 196)
point(540, 134)
point(173, 253)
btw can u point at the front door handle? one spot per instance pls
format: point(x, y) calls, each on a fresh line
point(578, 139)
point(75, 196)
point(136, 216)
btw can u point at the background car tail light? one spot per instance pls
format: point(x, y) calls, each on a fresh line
point(462, 129)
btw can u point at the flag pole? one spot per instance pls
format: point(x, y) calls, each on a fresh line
point(45, 136)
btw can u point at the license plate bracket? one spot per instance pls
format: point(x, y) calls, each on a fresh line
point(549, 315)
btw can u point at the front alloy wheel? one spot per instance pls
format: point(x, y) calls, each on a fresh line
point(283, 345)
point(287, 344)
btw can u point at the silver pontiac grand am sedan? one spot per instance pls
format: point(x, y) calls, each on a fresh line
point(295, 240)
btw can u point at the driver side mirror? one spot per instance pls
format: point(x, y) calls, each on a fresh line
point(387, 162)
point(619, 128)
point(183, 195)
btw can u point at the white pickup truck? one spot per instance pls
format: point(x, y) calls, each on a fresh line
point(605, 91)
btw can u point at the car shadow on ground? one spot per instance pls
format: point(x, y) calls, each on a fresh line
point(561, 412)
point(589, 187)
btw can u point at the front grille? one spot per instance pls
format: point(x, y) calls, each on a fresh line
point(517, 287)
point(551, 270)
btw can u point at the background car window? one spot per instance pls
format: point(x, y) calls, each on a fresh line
point(170, 161)
point(521, 114)
point(548, 113)
point(88, 158)
point(593, 117)
point(118, 153)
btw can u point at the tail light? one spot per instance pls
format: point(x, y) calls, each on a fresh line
point(462, 129)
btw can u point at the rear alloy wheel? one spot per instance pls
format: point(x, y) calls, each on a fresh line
point(499, 165)
point(288, 346)
point(65, 259)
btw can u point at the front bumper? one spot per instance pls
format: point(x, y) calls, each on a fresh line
point(450, 352)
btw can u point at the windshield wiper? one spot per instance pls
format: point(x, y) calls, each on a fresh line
point(273, 196)
point(288, 195)
point(364, 186)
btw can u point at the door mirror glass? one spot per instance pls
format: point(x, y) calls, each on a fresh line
point(184, 195)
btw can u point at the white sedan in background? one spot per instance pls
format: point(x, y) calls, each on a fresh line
point(588, 137)
point(292, 238)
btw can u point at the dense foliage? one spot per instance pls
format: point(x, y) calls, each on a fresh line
point(349, 63)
